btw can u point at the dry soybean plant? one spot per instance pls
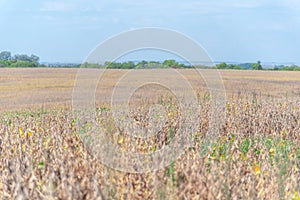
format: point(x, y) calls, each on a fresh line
point(256, 156)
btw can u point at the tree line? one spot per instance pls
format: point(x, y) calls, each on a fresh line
point(252, 66)
point(18, 60)
point(256, 66)
point(23, 60)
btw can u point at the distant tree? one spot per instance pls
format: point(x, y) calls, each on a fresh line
point(19, 60)
point(257, 66)
point(2, 63)
point(171, 63)
point(142, 64)
point(154, 64)
point(236, 67)
point(222, 65)
point(21, 57)
point(21, 63)
point(295, 68)
point(5, 55)
point(6, 63)
point(34, 58)
point(290, 68)
point(107, 64)
point(129, 65)
point(150, 65)
point(26, 58)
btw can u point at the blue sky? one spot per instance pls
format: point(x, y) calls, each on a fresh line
point(230, 30)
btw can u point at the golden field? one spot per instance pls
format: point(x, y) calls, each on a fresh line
point(255, 156)
point(20, 87)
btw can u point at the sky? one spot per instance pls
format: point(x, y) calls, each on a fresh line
point(229, 30)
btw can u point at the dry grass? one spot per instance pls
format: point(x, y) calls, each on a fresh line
point(257, 155)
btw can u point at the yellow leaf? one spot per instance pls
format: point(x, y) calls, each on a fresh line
point(283, 132)
point(282, 143)
point(256, 169)
point(222, 157)
point(29, 133)
point(296, 196)
point(244, 157)
point(21, 133)
point(272, 152)
point(153, 149)
point(120, 141)
point(199, 133)
point(23, 147)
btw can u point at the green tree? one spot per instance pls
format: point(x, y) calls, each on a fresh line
point(257, 66)
point(222, 65)
point(171, 63)
point(21, 63)
point(142, 64)
point(128, 65)
point(34, 58)
point(5, 55)
point(26, 58)
point(236, 67)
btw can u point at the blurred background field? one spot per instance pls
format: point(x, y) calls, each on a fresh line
point(45, 87)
